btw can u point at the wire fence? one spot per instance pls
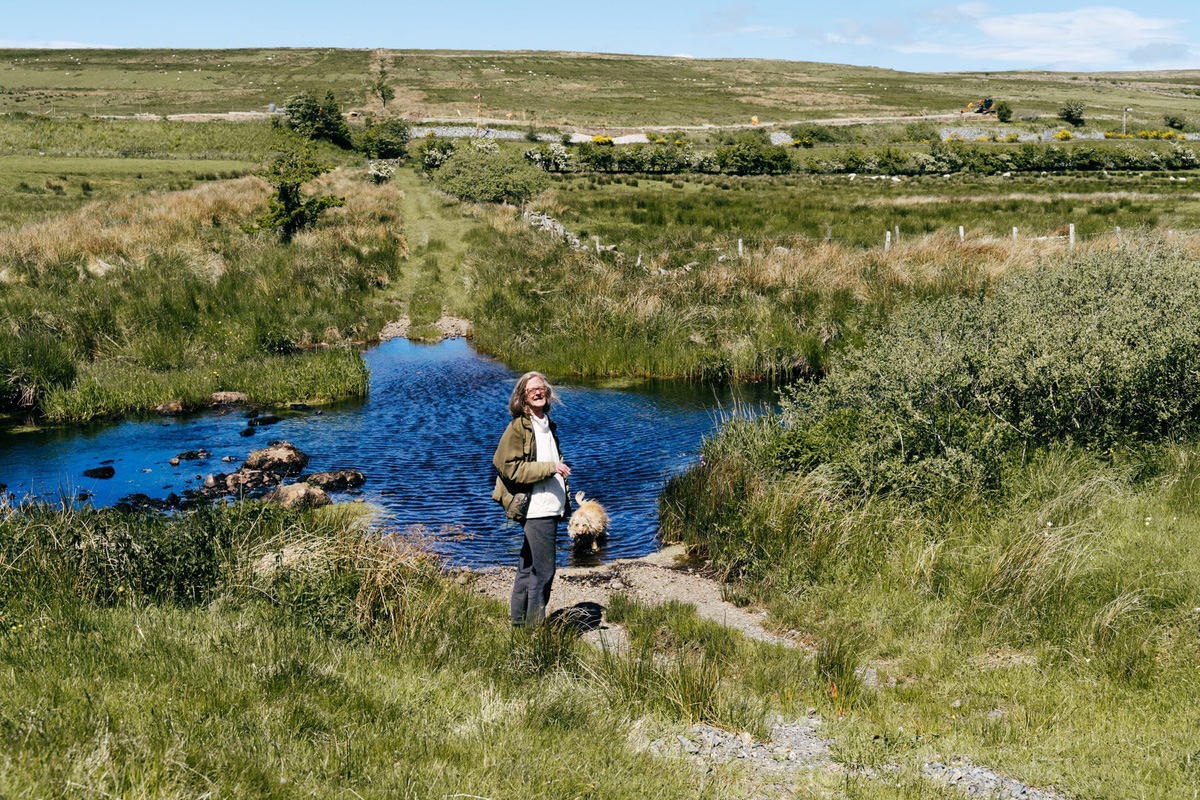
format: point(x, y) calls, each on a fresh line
point(748, 247)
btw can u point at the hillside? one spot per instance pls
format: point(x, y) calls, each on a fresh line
point(553, 88)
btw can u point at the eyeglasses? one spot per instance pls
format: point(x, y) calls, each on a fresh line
point(536, 392)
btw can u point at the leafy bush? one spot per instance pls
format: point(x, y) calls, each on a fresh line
point(489, 177)
point(1176, 121)
point(748, 157)
point(386, 140)
point(435, 153)
point(1097, 352)
point(1071, 112)
point(318, 119)
point(1004, 111)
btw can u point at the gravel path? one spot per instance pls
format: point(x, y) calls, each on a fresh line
point(795, 747)
point(654, 579)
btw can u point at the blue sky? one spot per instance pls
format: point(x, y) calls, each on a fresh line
point(922, 36)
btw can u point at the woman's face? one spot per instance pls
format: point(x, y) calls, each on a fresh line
point(535, 396)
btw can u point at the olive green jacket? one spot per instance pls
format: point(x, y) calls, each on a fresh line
point(516, 462)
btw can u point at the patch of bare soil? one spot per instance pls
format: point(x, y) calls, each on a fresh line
point(449, 327)
point(654, 580)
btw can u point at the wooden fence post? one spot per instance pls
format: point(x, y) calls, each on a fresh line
point(828, 234)
point(887, 241)
point(597, 238)
point(897, 234)
point(1071, 235)
point(962, 237)
point(739, 248)
point(1014, 233)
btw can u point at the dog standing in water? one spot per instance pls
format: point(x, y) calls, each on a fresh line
point(589, 524)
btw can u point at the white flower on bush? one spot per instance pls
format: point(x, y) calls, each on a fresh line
point(485, 145)
point(381, 171)
point(552, 157)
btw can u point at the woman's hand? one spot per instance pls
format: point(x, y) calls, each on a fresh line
point(562, 469)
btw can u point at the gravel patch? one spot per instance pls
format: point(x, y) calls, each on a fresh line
point(471, 132)
point(978, 781)
point(792, 747)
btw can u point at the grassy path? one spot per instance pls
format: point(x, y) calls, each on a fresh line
point(434, 283)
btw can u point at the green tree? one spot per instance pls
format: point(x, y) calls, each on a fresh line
point(288, 211)
point(382, 89)
point(318, 119)
point(1072, 112)
point(489, 177)
point(1004, 111)
point(386, 140)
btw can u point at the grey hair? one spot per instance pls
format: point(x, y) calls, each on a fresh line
point(516, 403)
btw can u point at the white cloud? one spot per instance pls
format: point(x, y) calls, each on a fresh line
point(37, 44)
point(1099, 36)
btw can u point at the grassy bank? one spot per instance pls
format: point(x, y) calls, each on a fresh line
point(243, 650)
point(993, 502)
point(775, 314)
point(119, 304)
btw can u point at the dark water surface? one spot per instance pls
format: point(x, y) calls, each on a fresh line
point(424, 438)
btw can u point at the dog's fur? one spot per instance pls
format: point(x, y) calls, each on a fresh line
point(589, 524)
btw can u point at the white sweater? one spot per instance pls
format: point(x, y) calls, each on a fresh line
point(549, 495)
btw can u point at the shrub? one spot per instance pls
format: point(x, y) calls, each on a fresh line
point(287, 211)
point(1071, 112)
point(318, 119)
point(435, 153)
point(386, 140)
point(1175, 121)
point(381, 171)
point(748, 157)
point(1004, 111)
point(489, 177)
point(924, 131)
point(949, 390)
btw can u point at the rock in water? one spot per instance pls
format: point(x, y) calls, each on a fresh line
point(336, 481)
point(225, 398)
point(297, 495)
point(268, 419)
point(172, 407)
point(281, 457)
point(246, 432)
point(100, 473)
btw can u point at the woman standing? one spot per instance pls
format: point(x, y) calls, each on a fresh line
point(531, 486)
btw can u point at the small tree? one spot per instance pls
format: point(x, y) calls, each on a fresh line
point(382, 89)
point(288, 211)
point(1072, 112)
point(1004, 111)
point(318, 119)
point(1175, 121)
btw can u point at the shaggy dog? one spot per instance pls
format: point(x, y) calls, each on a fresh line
point(589, 523)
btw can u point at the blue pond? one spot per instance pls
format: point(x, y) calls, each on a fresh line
point(424, 438)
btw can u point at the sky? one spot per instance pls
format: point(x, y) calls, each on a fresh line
point(918, 36)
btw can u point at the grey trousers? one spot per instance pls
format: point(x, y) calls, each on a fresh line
point(535, 571)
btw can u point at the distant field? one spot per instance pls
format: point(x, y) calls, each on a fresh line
point(557, 88)
point(686, 218)
point(163, 81)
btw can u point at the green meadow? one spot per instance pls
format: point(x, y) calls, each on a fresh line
point(975, 506)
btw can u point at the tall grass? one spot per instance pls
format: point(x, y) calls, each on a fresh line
point(127, 304)
point(776, 314)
